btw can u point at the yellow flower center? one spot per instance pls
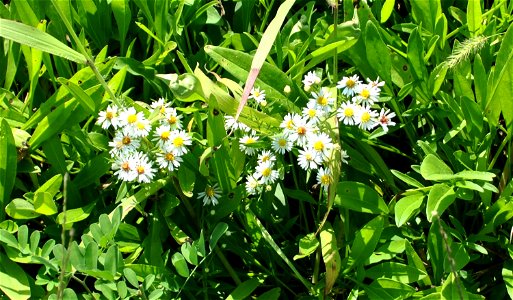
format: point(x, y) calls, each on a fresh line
point(366, 117)
point(290, 124)
point(169, 156)
point(321, 100)
point(365, 93)
point(140, 169)
point(165, 135)
point(266, 172)
point(312, 113)
point(125, 166)
point(308, 156)
point(301, 130)
point(132, 119)
point(249, 141)
point(126, 140)
point(350, 83)
point(348, 112)
point(282, 142)
point(172, 120)
point(162, 109)
point(140, 125)
point(325, 179)
point(178, 141)
point(109, 115)
point(209, 191)
point(256, 94)
point(265, 158)
point(318, 146)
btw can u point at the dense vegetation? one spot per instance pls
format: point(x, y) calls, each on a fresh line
point(165, 149)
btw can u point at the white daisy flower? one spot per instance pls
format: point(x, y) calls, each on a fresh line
point(252, 185)
point(143, 168)
point(109, 117)
point(265, 174)
point(302, 131)
point(123, 143)
point(231, 124)
point(348, 85)
point(324, 177)
point(366, 118)
point(258, 95)
point(288, 122)
point(323, 100)
point(160, 106)
point(366, 94)
point(245, 144)
point(347, 112)
point(162, 136)
point(172, 118)
point(178, 142)
point(281, 143)
point(310, 79)
point(210, 195)
point(142, 128)
point(376, 83)
point(344, 156)
point(384, 119)
point(125, 167)
point(265, 156)
point(129, 117)
point(312, 112)
point(309, 159)
point(168, 160)
point(321, 144)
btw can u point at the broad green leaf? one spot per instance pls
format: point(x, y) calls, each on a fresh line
point(499, 213)
point(359, 197)
point(507, 276)
point(396, 271)
point(407, 179)
point(414, 260)
point(460, 258)
point(416, 55)
point(8, 164)
point(330, 256)
point(91, 256)
point(91, 172)
point(131, 277)
point(386, 10)
point(85, 100)
point(113, 260)
point(437, 250)
point(426, 12)
point(122, 14)
point(44, 204)
point(9, 226)
point(307, 245)
point(190, 253)
point(396, 289)
point(378, 54)
point(440, 197)
point(406, 207)
point(35, 38)
point(474, 18)
point(273, 294)
point(53, 123)
point(14, 282)
point(387, 251)
point(453, 289)
point(21, 209)
point(217, 233)
point(180, 264)
point(75, 215)
point(244, 290)
point(500, 92)
point(365, 241)
point(52, 148)
point(433, 168)
point(480, 81)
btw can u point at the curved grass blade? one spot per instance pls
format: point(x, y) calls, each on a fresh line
point(263, 49)
point(8, 157)
point(37, 39)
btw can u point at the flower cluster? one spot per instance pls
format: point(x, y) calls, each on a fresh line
point(307, 133)
point(132, 151)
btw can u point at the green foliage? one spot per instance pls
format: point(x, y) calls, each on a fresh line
point(422, 209)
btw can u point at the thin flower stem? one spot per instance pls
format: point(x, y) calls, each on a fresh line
point(88, 59)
